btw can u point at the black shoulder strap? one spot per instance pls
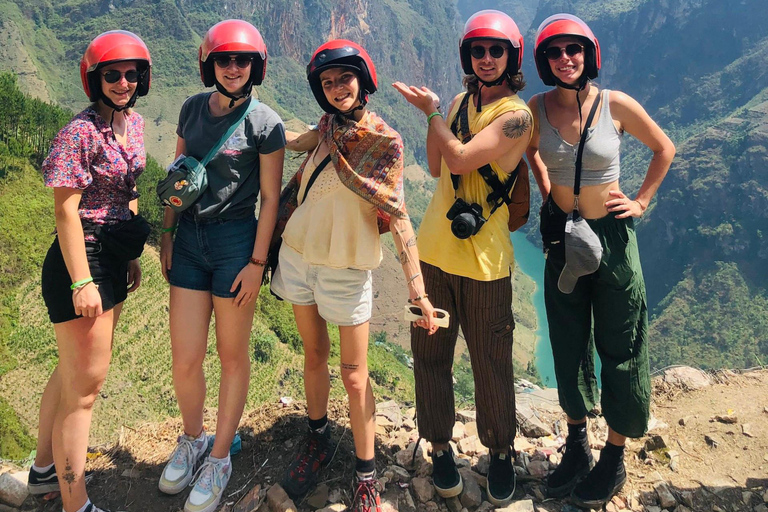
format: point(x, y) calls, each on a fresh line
point(577, 174)
point(499, 191)
point(314, 176)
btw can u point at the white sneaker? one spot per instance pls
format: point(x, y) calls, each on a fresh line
point(211, 480)
point(181, 466)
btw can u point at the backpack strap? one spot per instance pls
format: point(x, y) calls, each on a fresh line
point(314, 176)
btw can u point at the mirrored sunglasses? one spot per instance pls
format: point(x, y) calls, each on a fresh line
point(478, 52)
point(113, 76)
point(554, 52)
point(241, 61)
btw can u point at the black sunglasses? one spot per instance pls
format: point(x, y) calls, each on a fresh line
point(478, 52)
point(241, 61)
point(113, 76)
point(554, 52)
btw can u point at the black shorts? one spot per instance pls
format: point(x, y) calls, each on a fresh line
point(109, 274)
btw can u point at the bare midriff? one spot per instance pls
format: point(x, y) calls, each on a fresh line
point(591, 199)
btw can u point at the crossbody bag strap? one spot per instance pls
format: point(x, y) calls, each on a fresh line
point(314, 176)
point(580, 152)
point(229, 132)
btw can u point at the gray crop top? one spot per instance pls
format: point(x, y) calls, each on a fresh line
point(600, 161)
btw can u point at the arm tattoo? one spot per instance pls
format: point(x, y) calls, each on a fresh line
point(514, 128)
point(411, 242)
point(404, 258)
point(347, 366)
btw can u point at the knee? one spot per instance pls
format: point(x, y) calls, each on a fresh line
point(355, 381)
point(187, 365)
point(315, 358)
point(232, 362)
point(82, 392)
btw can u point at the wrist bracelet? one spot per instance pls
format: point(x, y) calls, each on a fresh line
point(413, 277)
point(642, 206)
point(417, 299)
point(430, 116)
point(168, 230)
point(257, 262)
point(79, 284)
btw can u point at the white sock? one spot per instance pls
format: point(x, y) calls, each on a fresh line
point(81, 509)
point(42, 469)
point(226, 459)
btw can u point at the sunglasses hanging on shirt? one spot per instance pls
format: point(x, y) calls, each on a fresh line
point(241, 61)
point(113, 76)
point(478, 52)
point(554, 52)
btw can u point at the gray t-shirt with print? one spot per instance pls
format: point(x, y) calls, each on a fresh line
point(233, 174)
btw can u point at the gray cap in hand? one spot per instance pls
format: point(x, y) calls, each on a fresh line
point(583, 253)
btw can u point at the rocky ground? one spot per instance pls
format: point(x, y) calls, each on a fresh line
point(707, 450)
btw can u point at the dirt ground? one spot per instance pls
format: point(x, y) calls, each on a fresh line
point(708, 464)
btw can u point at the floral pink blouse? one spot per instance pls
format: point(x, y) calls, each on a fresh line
point(85, 155)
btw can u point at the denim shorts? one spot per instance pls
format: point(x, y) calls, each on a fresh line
point(209, 253)
point(109, 274)
point(344, 296)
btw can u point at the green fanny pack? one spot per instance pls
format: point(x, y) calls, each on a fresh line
point(187, 177)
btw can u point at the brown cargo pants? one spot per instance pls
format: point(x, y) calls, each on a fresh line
point(483, 310)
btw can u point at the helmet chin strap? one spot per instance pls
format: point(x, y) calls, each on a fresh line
point(349, 115)
point(484, 83)
point(115, 108)
point(233, 98)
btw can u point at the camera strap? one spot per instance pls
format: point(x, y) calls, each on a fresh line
point(500, 192)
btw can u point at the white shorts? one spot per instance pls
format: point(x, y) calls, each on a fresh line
point(344, 296)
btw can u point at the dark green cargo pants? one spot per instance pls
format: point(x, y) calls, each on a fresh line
point(606, 311)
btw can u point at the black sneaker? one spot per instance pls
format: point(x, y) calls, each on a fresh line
point(367, 497)
point(575, 464)
point(604, 481)
point(316, 453)
point(43, 483)
point(501, 480)
point(445, 476)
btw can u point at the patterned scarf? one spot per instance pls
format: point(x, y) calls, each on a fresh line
point(368, 157)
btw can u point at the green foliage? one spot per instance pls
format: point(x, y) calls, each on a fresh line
point(15, 443)
point(278, 316)
point(712, 318)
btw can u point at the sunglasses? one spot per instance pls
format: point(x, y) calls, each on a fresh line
point(414, 313)
point(554, 52)
point(241, 61)
point(478, 52)
point(113, 76)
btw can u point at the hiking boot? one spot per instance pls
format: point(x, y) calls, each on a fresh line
point(501, 480)
point(43, 483)
point(181, 466)
point(210, 481)
point(604, 481)
point(315, 454)
point(445, 476)
point(366, 497)
point(575, 464)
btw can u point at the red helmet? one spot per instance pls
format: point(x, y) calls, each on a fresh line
point(565, 25)
point(110, 47)
point(232, 37)
point(341, 53)
point(492, 24)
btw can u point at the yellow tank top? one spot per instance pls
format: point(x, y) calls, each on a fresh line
point(488, 255)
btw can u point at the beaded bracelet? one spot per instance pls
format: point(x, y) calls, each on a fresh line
point(257, 262)
point(417, 299)
point(79, 284)
point(430, 116)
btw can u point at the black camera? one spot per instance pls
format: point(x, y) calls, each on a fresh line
point(466, 219)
